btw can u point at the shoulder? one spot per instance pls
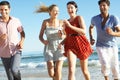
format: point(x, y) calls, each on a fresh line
point(114, 17)
point(96, 16)
point(46, 21)
point(61, 21)
point(79, 18)
point(14, 18)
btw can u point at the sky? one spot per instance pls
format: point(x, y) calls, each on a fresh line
point(31, 21)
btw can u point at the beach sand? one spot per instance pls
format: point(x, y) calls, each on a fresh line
point(41, 74)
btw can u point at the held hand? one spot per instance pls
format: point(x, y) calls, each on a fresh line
point(59, 33)
point(109, 31)
point(60, 46)
point(66, 22)
point(20, 45)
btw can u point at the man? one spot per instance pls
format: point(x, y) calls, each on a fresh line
point(108, 28)
point(10, 45)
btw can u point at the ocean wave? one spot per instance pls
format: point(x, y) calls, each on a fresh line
point(33, 56)
point(43, 64)
point(36, 60)
point(94, 63)
point(33, 65)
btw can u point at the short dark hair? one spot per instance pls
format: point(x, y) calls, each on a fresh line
point(106, 1)
point(5, 3)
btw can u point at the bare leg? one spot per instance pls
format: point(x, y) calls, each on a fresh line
point(50, 67)
point(58, 70)
point(72, 65)
point(84, 67)
point(54, 70)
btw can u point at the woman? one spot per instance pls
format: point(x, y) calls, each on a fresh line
point(52, 27)
point(76, 43)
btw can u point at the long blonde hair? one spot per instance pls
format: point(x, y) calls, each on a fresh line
point(44, 8)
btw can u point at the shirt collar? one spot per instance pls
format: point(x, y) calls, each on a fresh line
point(1, 20)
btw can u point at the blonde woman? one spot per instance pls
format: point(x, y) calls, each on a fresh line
point(53, 29)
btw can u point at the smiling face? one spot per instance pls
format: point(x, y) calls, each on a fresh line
point(103, 8)
point(4, 11)
point(71, 9)
point(54, 12)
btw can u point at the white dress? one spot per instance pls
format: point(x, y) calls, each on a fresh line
point(51, 51)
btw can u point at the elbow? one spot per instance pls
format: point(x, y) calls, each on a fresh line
point(83, 33)
point(23, 34)
point(40, 38)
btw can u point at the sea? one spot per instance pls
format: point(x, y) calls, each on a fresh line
point(35, 59)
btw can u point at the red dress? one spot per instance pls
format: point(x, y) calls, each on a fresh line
point(78, 44)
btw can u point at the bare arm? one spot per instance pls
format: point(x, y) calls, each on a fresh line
point(114, 33)
point(45, 42)
point(63, 30)
point(21, 42)
point(82, 29)
point(91, 29)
